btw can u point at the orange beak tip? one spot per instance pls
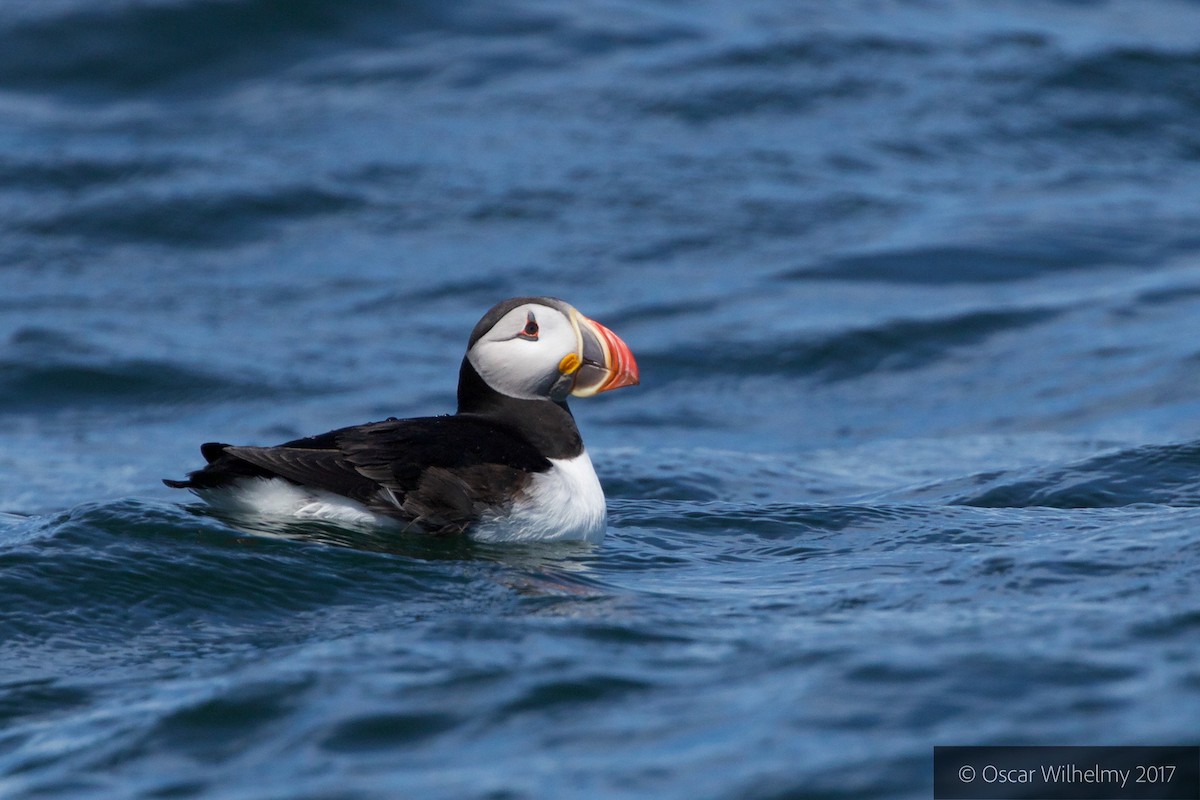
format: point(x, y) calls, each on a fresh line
point(611, 365)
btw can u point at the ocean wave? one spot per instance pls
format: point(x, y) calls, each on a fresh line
point(1158, 474)
point(197, 219)
point(745, 99)
point(1032, 254)
point(784, 77)
point(817, 50)
point(130, 563)
point(117, 383)
point(196, 47)
point(893, 346)
point(1138, 72)
point(133, 48)
point(76, 174)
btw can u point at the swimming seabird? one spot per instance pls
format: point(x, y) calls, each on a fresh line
point(509, 464)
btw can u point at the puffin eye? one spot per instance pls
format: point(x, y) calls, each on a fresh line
point(531, 329)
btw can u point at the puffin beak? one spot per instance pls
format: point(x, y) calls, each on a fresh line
point(603, 362)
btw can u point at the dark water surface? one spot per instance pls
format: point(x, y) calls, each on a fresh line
point(915, 291)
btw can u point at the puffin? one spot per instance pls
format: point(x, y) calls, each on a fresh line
point(508, 465)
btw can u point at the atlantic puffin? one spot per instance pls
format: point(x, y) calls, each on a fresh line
point(508, 465)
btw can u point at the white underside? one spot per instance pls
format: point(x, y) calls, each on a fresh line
point(280, 500)
point(563, 504)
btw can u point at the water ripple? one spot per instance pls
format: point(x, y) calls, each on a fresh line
point(894, 346)
point(147, 47)
point(1157, 474)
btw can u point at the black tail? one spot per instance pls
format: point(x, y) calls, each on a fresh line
point(206, 478)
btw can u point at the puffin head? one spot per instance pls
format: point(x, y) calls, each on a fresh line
point(537, 348)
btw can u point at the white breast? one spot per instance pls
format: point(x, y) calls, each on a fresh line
point(564, 504)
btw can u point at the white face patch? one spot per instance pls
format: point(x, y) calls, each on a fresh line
point(521, 364)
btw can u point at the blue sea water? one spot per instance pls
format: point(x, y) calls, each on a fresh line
point(915, 291)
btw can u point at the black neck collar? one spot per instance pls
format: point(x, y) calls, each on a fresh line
point(546, 424)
